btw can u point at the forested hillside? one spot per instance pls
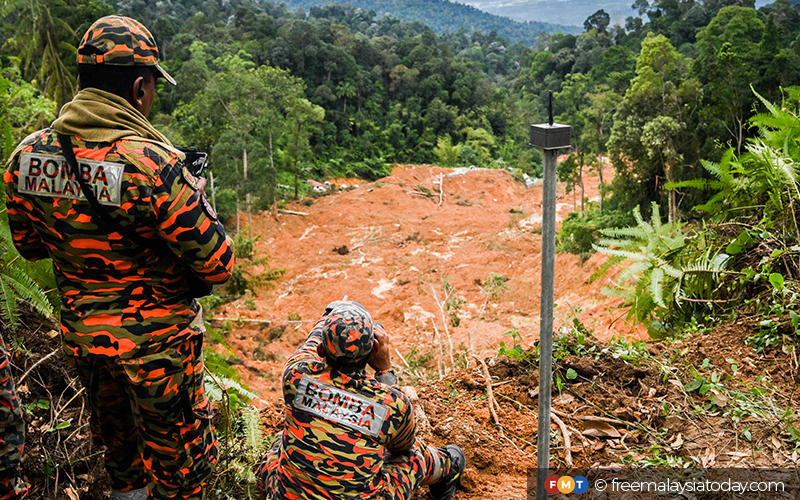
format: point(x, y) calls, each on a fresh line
point(362, 91)
point(443, 16)
point(695, 104)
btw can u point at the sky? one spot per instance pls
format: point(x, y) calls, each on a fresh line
point(567, 12)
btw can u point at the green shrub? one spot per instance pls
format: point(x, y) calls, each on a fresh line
point(578, 234)
point(226, 204)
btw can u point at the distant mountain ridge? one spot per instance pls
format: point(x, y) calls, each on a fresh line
point(568, 12)
point(444, 16)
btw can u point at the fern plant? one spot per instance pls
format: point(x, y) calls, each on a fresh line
point(20, 280)
point(241, 447)
point(664, 280)
point(760, 186)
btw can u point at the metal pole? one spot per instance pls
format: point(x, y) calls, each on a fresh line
point(546, 321)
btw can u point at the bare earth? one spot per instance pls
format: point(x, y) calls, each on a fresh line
point(401, 246)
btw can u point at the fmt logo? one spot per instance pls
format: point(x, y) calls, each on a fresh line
point(566, 484)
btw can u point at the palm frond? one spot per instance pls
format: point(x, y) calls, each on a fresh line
point(215, 390)
point(671, 271)
point(703, 184)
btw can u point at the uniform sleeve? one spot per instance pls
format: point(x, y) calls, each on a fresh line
point(402, 428)
point(189, 225)
point(26, 239)
point(307, 351)
point(297, 364)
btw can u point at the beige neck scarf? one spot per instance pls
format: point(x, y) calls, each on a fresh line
point(98, 116)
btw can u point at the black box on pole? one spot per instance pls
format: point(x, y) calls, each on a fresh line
point(550, 135)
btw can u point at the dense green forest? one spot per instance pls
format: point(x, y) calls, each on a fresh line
point(673, 98)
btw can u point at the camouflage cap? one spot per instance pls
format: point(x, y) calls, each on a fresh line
point(120, 41)
point(347, 332)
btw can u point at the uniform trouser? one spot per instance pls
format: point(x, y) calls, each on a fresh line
point(403, 473)
point(153, 417)
point(12, 435)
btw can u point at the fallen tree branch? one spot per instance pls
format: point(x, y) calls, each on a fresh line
point(710, 301)
point(402, 358)
point(19, 382)
point(442, 308)
point(497, 384)
point(567, 443)
point(265, 321)
point(291, 212)
point(490, 393)
point(440, 358)
point(596, 418)
point(514, 444)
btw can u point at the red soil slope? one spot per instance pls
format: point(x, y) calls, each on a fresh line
point(403, 240)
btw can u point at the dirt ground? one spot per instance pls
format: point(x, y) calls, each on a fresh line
point(398, 246)
point(393, 244)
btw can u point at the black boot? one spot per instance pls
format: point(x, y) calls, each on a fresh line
point(446, 488)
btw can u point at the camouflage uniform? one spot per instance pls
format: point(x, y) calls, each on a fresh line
point(12, 435)
point(346, 435)
point(128, 323)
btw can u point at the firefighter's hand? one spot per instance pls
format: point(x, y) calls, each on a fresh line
point(201, 185)
point(380, 357)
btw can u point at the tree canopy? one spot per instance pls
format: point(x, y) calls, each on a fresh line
point(340, 91)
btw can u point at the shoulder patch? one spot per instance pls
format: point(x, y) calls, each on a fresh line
point(340, 406)
point(50, 175)
point(189, 178)
point(208, 208)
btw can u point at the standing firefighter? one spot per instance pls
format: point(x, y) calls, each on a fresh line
point(12, 434)
point(108, 198)
point(346, 434)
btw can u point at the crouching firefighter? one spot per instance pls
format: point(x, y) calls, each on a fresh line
point(347, 434)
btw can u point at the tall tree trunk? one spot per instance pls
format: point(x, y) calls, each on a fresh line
point(274, 175)
point(296, 170)
point(600, 187)
point(583, 189)
point(247, 194)
point(673, 195)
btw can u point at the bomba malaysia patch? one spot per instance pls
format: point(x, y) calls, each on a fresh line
point(340, 406)
point(48, 175)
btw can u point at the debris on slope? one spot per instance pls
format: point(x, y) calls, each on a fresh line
point(403, 249)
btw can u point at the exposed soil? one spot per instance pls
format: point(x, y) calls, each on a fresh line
point(390, 245)
point(403, 241)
